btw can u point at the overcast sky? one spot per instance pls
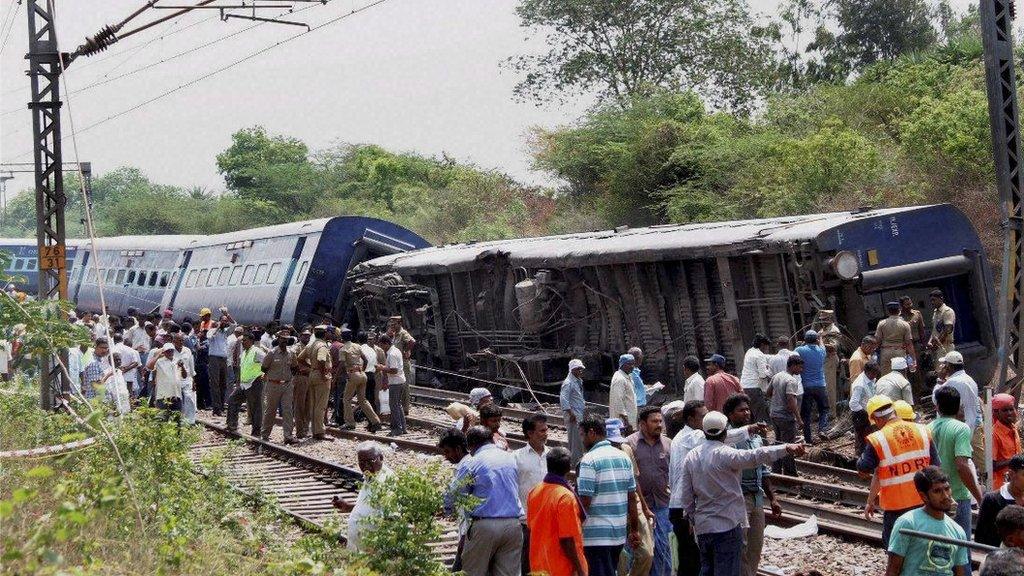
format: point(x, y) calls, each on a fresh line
point(411, 75)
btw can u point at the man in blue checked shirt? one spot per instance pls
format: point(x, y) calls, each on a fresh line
point(494, 542)
point(93, 373)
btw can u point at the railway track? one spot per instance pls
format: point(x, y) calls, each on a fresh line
point(303, 486)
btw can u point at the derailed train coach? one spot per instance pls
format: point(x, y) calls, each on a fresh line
point(493, 308)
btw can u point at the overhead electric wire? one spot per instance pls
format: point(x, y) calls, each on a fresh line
point(134, 71)
point(212, 73)
point(130, 50)
point(16, 4)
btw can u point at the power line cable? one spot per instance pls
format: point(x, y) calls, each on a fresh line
point(15, 6)
point(132, 72)
point(130, 50)
point(224, 68)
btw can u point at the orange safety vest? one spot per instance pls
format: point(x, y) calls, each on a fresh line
point(902, 448)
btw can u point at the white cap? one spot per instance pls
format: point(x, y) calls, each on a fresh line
point(672, 407)
point(167, 347)
point(953, 357)
point(714, 423)
point(575, 363)
point(478, 394)
point(899, 363)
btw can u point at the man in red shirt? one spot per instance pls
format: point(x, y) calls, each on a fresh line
point(1005, 441)
point(555, 518)
point(719, 384)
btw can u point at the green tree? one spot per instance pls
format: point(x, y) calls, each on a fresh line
point(622, 49)
point(830, 40)
point(274, 169)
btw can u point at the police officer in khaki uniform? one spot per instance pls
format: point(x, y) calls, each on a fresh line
point(300, 384)
point(318, 354)
point(894, 338)
point(351, 355)
point(943, 320)
point(405, 343)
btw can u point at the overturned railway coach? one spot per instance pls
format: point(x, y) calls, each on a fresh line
point(676, 290)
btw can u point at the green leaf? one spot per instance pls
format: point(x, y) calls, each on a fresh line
point(40, 472)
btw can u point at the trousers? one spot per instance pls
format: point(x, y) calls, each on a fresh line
point(602, 560)
point(758, 404)
point(319, 394)
point(753, 541)
point(785, 433)
point(395, 403)
point(637, 561)
point(371, 392)
point(831, 380)
point(410, 379)
point(861, 429)
point(686, 544)
point(814, 397)
point(885, 356)
point(355, 388)
point(721, 552)
point(253, 399)
point(572, 430)
point(278, 394)
point(301, 404)
point(493, 547)
point(217, 374)
point(662, 565)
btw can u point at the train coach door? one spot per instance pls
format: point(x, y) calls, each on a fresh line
point(185, 259)
point(300, 243)
point(82, 269)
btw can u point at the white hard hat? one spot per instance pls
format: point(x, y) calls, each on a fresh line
point(575, 363)
point(899, 363)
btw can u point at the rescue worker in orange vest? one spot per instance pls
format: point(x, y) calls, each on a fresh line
point(896, 452)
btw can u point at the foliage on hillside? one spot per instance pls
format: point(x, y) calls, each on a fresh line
point(76, 514)
point(274, 179)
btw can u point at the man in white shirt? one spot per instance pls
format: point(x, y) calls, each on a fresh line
point(183, 356)
point(531, 467)
point(370, 357)
point(232, 348)
point(5, 360)
point(777, 362)
point(130, 363)
point(693, 389)
point(756, 376)
point(691, 436)
point(622, 395)
point(395, 370)
point(166, 381)
point(370, 456)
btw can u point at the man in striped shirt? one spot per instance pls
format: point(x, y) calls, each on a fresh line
point(607, 488)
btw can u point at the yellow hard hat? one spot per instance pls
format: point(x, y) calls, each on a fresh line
point(204, 312)
point(878, 403)
point(904, 410)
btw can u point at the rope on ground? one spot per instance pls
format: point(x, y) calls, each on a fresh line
point(492, 382)
point(54, 450)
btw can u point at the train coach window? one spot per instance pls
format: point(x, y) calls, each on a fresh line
point(212, 280)
point(91, 278)
point(190, 280)
point(110, 275)
point(248, 274)
point(119, 279)
point(141, 280)
point(18, 264)
point(302, 273)
point(31, 264)
point(261, 274)
point(131, 277)
point(222, 278)
point(163, 279)
point(236, 273)
point(275, 273)
point(153, 277)
point(203, 275)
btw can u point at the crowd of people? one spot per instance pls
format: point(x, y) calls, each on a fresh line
point(679, 487)
point(307, 376)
